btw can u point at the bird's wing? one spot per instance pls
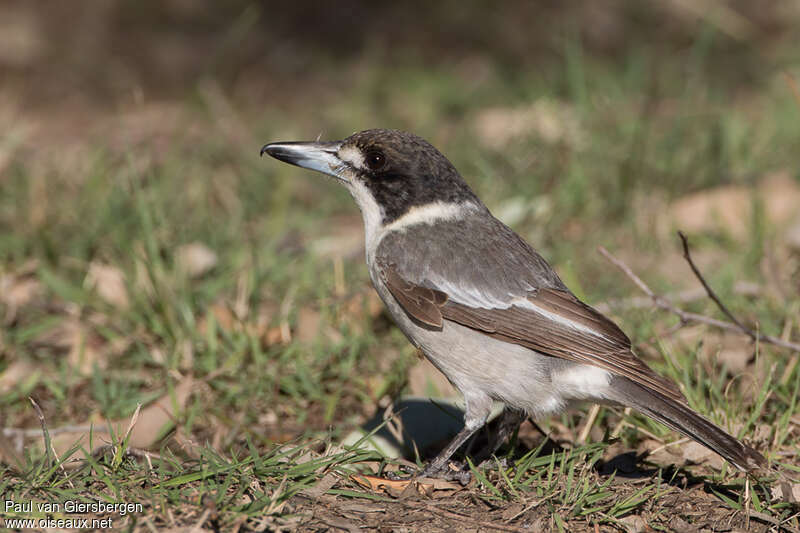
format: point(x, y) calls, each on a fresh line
point(422, 303)
point(548, 319)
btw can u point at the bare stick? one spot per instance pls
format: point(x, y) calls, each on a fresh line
point(711, 294)
point(780, 524)
point(686, 316)
point(22, 432)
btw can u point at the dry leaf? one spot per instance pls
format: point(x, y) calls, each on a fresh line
point(549, 120)
point(222, 316)
point(679, 524)
point(15, 373)
point(440, 484)
point(786, 491)
point(322, 486)
point(658, 453)
point(16, 292)
point(149, 425)
point(696, 453)
point(109, 282)
point(195, 259)
point(399, 487)
point(735, 352)
point(272, 336)
point(158, 414)
point(730, 207)
point(309, 322)
point(360, 306)
point(84, 348)
point(634, 524)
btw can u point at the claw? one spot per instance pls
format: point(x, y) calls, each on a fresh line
point(403, 473)
point(452, 471)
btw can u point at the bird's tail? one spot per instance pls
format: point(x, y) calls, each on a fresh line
point(683, 419)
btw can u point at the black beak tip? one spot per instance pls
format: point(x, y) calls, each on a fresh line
point(265, 150)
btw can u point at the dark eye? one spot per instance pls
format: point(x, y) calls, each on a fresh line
point(375, 160)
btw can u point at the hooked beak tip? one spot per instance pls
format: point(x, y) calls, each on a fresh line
point(319, 156)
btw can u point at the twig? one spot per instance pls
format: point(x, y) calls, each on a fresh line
point(48, 444)
point(662, 302)
point(23, 432)
point(687, 316)
point(637, 302)
point(711, 294)
point(780, 524)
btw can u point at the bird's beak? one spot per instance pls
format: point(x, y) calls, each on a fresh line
point(319, 156)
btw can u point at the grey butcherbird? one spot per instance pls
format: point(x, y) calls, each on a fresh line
point(483, 305)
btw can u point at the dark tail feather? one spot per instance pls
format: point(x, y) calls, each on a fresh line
point(682, 419)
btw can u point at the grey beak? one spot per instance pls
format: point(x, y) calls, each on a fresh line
point(319, 156)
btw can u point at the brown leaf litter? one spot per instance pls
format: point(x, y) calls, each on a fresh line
point(109, 283)
point(398, 488)
point(729, 208)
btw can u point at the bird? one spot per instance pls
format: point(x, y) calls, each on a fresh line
point(482, 305)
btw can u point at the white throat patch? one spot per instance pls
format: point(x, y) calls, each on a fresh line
point(428, 214)
point(374, 229)
point(371, 212)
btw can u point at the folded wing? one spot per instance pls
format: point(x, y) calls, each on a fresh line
point(551, 321)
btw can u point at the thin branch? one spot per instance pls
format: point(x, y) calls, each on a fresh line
point(780, 524)
point(686, 316)
point(23, 432)
point(711, 294)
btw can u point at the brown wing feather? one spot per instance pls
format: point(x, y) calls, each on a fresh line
point(420, 302)
point(611, 350)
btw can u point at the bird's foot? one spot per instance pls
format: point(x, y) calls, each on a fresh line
point(450, 471)
point(402, 473)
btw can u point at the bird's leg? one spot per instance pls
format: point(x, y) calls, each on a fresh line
point(509, 423)
point(437, 466)
point(477, 411)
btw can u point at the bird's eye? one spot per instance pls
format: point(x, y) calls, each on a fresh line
point(375, 160)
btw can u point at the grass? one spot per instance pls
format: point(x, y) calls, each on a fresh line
point(260, 428)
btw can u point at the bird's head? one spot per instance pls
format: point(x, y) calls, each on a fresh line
point(388, 172)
